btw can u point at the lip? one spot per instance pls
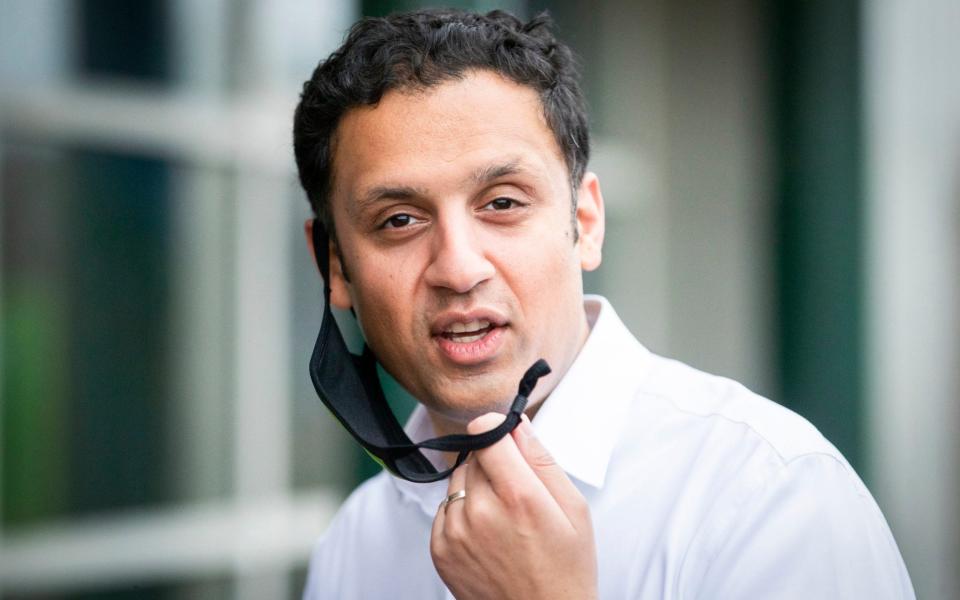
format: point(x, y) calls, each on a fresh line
point(445, 320)
point(470, 353)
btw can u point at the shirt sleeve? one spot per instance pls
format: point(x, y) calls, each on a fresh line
point(810, 530)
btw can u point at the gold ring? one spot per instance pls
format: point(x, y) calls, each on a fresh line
point(458, 495)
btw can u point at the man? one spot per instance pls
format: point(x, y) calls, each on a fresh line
point(445, 155)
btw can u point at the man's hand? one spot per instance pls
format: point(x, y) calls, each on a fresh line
point(522, 531)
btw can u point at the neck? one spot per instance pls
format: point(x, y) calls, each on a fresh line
point(443, 426)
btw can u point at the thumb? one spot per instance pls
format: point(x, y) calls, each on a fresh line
point(566, 494)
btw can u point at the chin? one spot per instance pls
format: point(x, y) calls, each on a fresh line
point(468, 402)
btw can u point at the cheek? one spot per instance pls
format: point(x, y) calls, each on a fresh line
point(548, 277)
point(377, 303)
point(385, 290)
point(376, 280)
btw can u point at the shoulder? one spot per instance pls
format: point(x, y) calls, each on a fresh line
point(779, 512)
point(710, 440)
point(377, 540)
point(679, 393)
point(738, 445)
point(347, 538)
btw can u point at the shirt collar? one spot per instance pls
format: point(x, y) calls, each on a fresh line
point(580, 422)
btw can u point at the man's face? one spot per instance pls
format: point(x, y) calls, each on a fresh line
point(452, 211)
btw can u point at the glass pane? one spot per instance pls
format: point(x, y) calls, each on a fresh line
point(131, 40)
point(117, 238)
point(85, 299)
point(220, 588)
point(34, 454)
point(116, 319)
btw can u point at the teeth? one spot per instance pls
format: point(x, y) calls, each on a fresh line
point(475, 325)
point(466, 339)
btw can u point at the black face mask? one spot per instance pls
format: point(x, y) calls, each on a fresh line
point(349, 387)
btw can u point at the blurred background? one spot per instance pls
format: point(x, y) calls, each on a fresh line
point(783, 190)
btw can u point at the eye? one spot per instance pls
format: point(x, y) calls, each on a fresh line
point(503, 204)
point(398, 221)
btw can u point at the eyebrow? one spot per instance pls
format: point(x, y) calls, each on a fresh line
point(481, 176)
point(386, 192)
point(496, 171)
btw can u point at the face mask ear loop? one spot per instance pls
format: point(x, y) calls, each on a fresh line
point(459, 441)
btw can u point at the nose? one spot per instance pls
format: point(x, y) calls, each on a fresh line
point(458, 261)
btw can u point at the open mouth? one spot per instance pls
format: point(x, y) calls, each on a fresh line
point(465, 333)
point(467, 339)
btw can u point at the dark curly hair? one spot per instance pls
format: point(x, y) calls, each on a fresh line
point(421, 49)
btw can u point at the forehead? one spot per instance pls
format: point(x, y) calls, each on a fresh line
point(433, 137)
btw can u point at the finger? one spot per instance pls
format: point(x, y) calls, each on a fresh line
point(436, 532)
point(458, 479)
point(547, 470)
point(456, 482)
point(484, 502)
point(511, 478)
point(478, 483)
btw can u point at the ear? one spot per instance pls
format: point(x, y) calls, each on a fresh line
point(590, 221)
point(339, 290)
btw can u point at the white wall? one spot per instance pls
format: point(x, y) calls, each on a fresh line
point(681, 152)
point(912, 88)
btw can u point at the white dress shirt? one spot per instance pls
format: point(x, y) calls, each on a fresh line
point(697, 488)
